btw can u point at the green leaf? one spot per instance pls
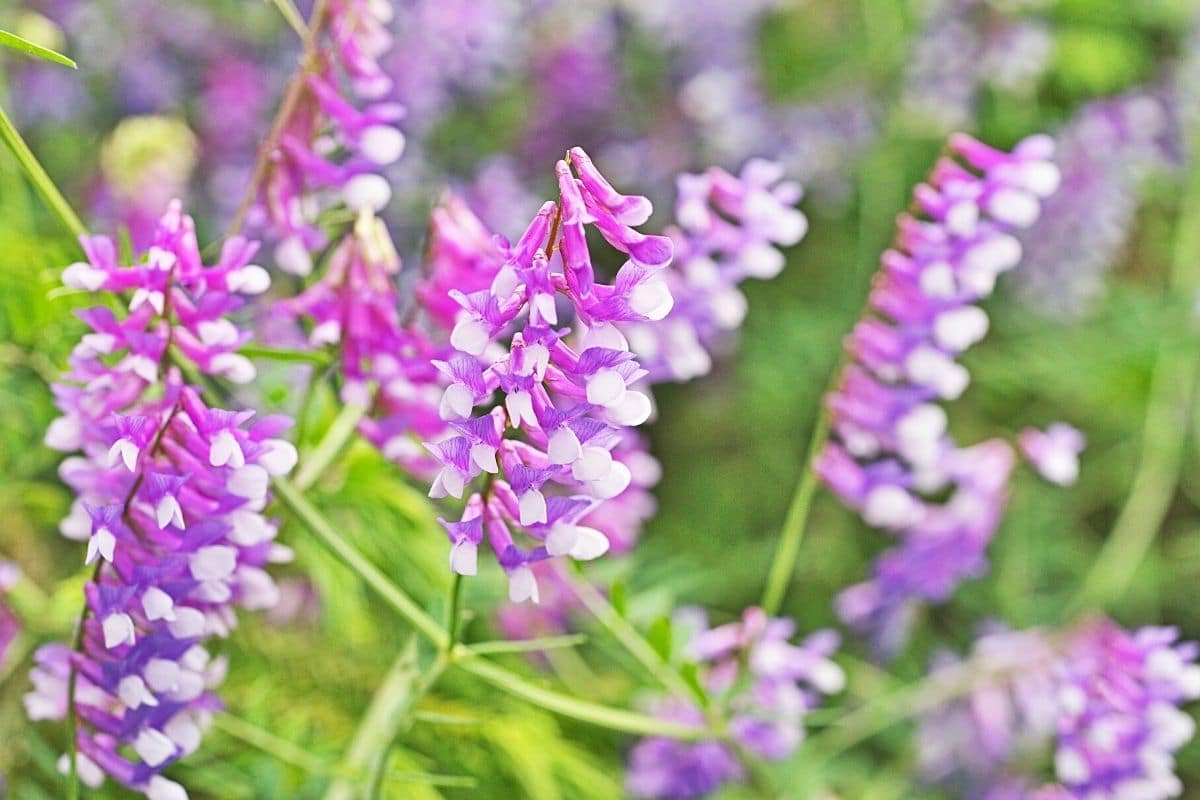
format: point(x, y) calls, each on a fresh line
point(659, 636)
point(27, 47)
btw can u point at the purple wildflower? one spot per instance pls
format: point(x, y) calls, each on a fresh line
point(892, 450)
point(333, 147)
point(1107, 697)
point(729, 229)
point(170, 495)
point(767, 684)
point(567, 393)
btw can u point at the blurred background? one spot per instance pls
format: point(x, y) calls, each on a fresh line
point(855, 99)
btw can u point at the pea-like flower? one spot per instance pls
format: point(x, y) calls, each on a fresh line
point(892, 454)
point(169, 497)
point(567, 387)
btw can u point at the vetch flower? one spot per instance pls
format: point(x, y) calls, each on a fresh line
point(892, 454)
point(768, 685)
point(566, 394)
point(170, 494)
point(728, 228)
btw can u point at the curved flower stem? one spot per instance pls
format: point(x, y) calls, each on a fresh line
point(528, 645)
point(1172, 395)
point(286, 355)
point(462, 656)
point(783, 565)
point(290, 495)
point(39, 178)
point(612, 718)
point(629, 638)
point(292, 15)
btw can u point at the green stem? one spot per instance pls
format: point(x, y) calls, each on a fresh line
point(784, 563)
point(453, 612)
point(292, 498)
point(293, 17)
point(341, 430)
point(582, 710)
point(629, 638)
point(527, 645)
point(39, 178)
point(617, 719)
point(388, 715)
point(273, 745)
point(286, 355)
point(1172, 394)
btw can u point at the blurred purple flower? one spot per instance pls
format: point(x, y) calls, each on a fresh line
point(892, 451)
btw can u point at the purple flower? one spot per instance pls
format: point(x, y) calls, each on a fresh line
point(169, 496)
point(1107, 697)
point(729, 229)
point(332, 148)
point(567, 396)
point(1119, 724)
point(751, 669)
point(892, 452)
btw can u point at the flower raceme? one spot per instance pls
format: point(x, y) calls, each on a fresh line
point(1108, 698)
point(767, 684)
point(169, 498)
point(566, 385)
point(727, 229)
point(892, 452)
point(338, 137)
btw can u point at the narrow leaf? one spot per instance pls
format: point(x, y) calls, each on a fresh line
point(27, 47)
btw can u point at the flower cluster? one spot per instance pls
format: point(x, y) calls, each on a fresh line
point(354, 306)
point(1006, 712)
point(169, 498)
point(892, 453)
point(767, 684)
point(334, 143)
point(729, 228)
point(1120, 724)
point(547, 447)
point(1109, 698)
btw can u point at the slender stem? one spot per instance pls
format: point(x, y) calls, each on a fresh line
point(1172, 393)
point(286, 355)
point(291, 100)
point(293, 17)
point(629, 638)
point(784, 563)
point(269, 743)
point(453, 612)
point(291, 497)
point(582, 710)
point(527, 645)
point(39, 178)
point(330, 447)
point(389, 713)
